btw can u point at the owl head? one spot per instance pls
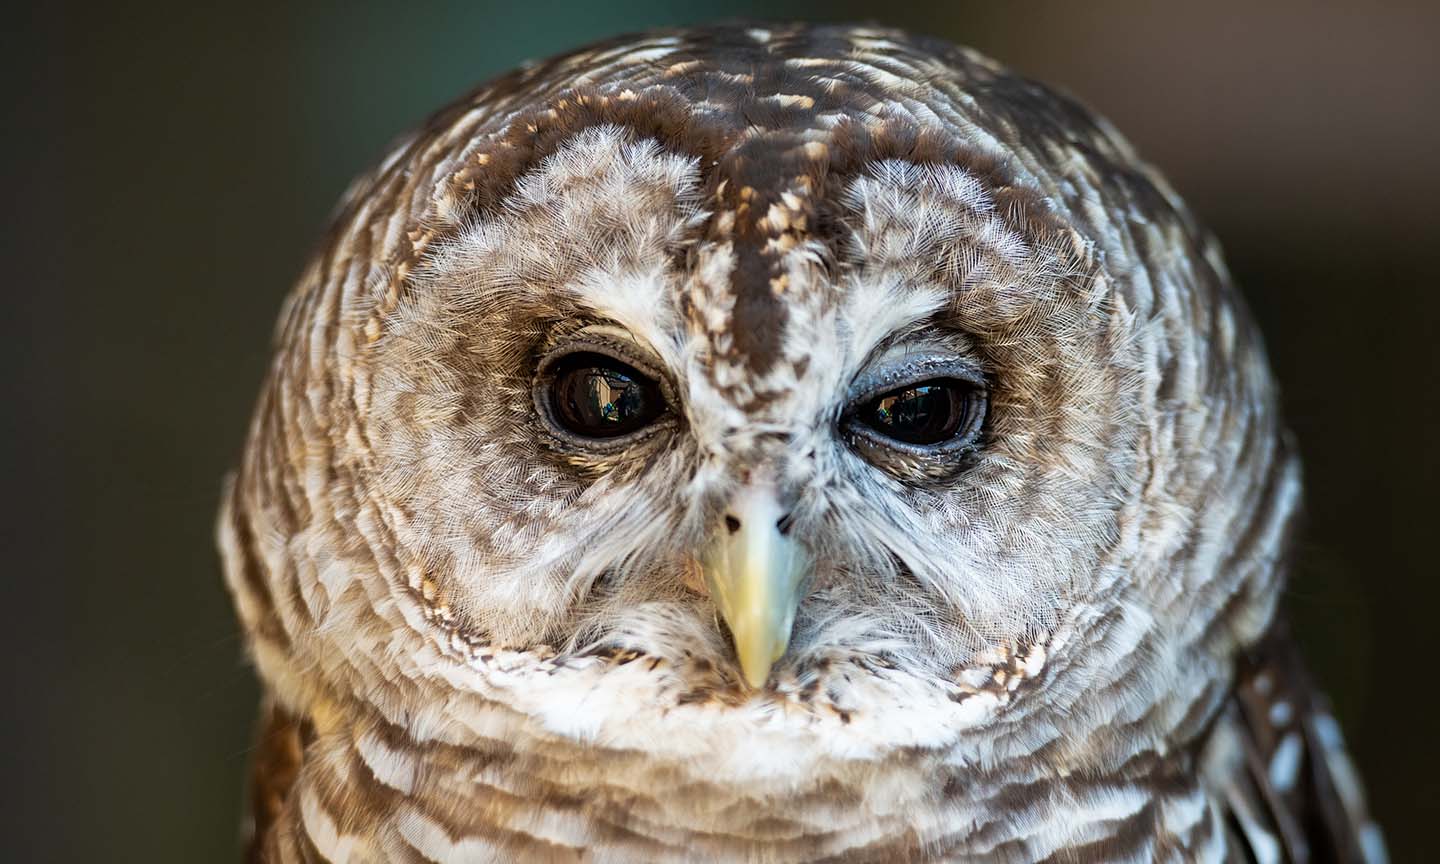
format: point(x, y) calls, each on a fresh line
point(765, 380)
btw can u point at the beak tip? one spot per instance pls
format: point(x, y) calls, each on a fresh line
point(755, 666)
point(756, 681)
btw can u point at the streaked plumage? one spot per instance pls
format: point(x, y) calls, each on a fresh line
point(484, 639)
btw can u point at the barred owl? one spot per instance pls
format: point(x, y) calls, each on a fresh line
point(789, 444)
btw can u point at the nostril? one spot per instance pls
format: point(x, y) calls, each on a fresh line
point(783, 524)
point(732, 523)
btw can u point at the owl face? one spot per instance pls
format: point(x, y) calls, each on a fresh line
point(759, 379)
point(919, 437)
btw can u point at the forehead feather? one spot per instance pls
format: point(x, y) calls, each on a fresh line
point(773, 118)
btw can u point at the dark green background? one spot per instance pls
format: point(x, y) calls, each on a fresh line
point(167, 167)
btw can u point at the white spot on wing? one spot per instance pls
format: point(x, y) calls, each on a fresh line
point(1285, 763)
point(1372, 844)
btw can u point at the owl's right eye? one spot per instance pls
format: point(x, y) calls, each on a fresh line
point(596, 396)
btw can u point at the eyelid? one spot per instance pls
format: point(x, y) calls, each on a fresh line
point(619, 348)
point(873, 383)
point(627, 343)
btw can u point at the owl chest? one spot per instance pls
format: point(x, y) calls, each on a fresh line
point(368, 801)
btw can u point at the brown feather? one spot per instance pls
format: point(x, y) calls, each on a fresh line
point(1298, 778)
point(274, 765)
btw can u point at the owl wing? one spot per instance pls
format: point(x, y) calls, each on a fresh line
point(1290, 791)
point(274, 764)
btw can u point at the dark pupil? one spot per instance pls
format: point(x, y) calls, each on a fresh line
point(920, 414)
point(599, 397)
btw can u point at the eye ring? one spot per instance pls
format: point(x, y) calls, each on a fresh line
point(593, 395)
point(931, 409)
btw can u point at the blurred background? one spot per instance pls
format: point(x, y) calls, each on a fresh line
point(167, 166)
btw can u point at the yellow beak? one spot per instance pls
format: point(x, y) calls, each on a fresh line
point(755, 575)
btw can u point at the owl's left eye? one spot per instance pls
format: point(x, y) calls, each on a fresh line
point(918, 418)
point(924, 413)
point(595, 396)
